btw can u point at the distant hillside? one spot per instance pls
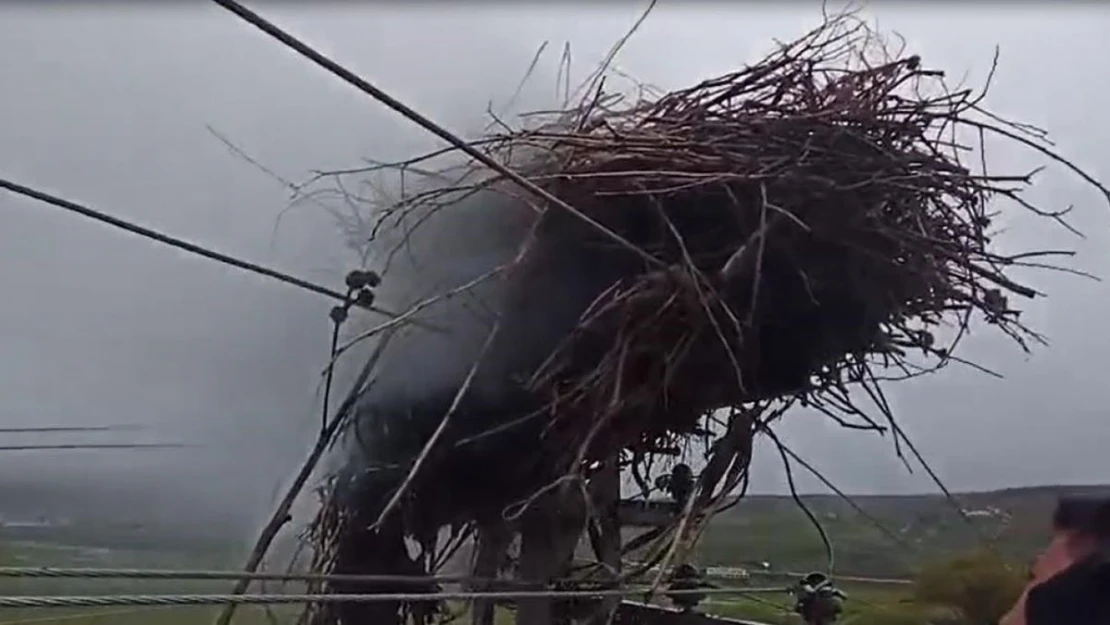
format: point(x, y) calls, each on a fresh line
point(115, 515)
point(774, 529)
point(761, 528)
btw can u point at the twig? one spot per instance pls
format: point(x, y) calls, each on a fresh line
point(844, 496)
point(441, 428)
point(829, 552)
point(349, 77)
point(281, 514)
point(413, 311)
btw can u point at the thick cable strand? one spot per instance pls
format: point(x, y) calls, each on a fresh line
point(271, 599)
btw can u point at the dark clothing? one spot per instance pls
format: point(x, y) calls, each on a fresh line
point(1080, 595)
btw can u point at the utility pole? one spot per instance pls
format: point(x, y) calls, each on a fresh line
point(552, 528)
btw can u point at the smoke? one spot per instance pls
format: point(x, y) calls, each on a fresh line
point(447, 259)
point(109, 328)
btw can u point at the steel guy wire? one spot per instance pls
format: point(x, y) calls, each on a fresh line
point(271, 599)
point(180, 244)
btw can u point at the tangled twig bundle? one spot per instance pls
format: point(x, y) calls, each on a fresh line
point(772, 235)
point(806, 215)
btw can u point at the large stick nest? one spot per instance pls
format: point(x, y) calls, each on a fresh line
point(775, 231)
point(778, 233)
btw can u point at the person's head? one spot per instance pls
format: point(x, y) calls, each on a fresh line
point(1070, 577)
point(1082, 525)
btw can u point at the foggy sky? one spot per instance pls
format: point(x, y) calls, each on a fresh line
point(109, 106)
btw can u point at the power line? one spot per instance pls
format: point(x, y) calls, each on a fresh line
point(870, 518)
point(95, 446)
point(840, 578)
point(270, 599)
point(362, 85)
point(93, 428)
point(205, 574)
point(180, 244)
point(111, 573)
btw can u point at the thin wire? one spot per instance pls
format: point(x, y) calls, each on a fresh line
point(949, 497)
point(362, 85)
point(96, 446)
point(330, 374)
point(112, 573)
point(889, 533)
point(771, 604)
point(840, 578)
point(830, 553)
point(180, 244)
point(258, 599)
point(280, 515)
point(93, 428)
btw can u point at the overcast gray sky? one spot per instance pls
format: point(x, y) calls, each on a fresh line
point(108, 106)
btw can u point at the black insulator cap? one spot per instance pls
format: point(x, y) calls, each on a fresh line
point(365, 298)
point(338, 314)
point(372, 278)
point(359, 279)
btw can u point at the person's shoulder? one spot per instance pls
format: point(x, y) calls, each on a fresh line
point(1079, 595)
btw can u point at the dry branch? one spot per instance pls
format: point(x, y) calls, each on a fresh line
point(775, 236)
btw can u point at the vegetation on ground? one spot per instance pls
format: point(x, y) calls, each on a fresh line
point(980, 587)
point(939, 553)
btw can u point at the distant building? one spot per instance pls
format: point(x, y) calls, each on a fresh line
point(989, 512)
point(41, 521)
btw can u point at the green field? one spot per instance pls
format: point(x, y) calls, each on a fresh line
point(862, 599)
point(760, 530)
point(22, 553)
point(924, 528)
point(773, 609)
